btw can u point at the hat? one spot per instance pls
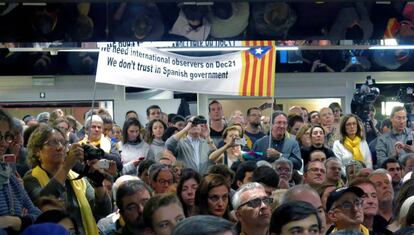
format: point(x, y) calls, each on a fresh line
point(337, 194)
point(45, 228)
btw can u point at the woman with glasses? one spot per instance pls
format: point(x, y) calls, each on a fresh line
point(161, 178)
point(156, 129)
point(16, 209)
point(134, 149)
point(213, 196)
point(352, 144)
point(52, 161)
point(186, 190)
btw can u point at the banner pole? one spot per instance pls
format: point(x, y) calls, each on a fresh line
point(271, 122)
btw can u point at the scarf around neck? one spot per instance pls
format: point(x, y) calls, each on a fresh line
point(79, 188)
point(354, 147)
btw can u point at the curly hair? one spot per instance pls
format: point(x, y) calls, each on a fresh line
point(36, 141)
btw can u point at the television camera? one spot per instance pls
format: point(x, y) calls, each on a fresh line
point(363, 100)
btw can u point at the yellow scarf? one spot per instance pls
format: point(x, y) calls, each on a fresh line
point(103, 143)
point(353, 147)
point(362, 229)
point(79, 187)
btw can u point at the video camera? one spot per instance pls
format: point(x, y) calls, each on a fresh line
point(364, 98)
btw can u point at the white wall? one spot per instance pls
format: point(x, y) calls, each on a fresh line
point(292, 85)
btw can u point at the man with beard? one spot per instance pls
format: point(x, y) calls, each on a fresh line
point(344, 207)
point(382, 182)
point(131, 197)
point(284, 168)
point(394, 168)
point(253, 131)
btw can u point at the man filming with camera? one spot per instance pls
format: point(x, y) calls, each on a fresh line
point(399, 140)
point(194, 148)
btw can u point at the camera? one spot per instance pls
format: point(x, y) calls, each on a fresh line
point(90, 152)
point(409, 142)
point(364, 98)
point(199, 120)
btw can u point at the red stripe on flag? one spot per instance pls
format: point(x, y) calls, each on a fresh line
point(271, 72)
point(252, 90)
point(246, 73)
point(261, 77)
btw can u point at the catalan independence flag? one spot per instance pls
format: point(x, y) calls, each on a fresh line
point(258, 69)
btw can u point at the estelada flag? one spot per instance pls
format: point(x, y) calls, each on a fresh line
point(248, 73)
point(258, 75)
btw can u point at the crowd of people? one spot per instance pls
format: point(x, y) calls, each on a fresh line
point(300, 172)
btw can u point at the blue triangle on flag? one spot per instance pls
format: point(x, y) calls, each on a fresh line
point(259, 51)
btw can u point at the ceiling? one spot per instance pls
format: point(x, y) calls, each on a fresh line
point(332, 36)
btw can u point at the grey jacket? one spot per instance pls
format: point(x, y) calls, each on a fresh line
point(289, 148)
point(184, 151)
point(385, 144)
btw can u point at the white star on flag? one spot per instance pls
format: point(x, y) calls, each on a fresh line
point(259, 51)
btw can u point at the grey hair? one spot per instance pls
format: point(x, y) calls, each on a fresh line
point(298, 189)
point(332, 159)
point(244, 188)
point(283, 160)
point(263, 163)
point(93, 118)
point(380, 171)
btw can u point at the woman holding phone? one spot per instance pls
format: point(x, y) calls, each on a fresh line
point(16, 209)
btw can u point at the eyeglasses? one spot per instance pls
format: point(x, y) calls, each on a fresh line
point(8, 137)
point(317, 170)
point(283, 170)
point(165, 182)
point(56, 143)
point(349, 205)
point(254, 203)
point(216, 198)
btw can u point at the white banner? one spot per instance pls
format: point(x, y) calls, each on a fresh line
point(152, 68)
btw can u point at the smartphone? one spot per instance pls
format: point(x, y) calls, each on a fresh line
point(9, 158)
point(141, 158)
point(409, 142)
